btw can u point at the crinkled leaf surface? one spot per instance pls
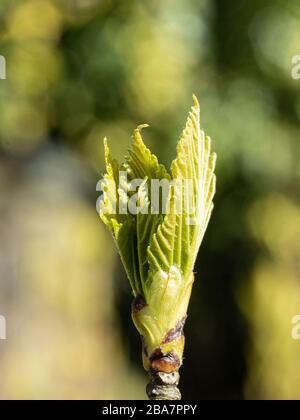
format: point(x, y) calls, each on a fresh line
point(153, 243)
point(179, 236)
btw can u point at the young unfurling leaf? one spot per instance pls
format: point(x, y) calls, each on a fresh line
point(159, 248)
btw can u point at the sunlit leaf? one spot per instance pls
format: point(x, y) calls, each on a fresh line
point(179, 237)
point(159, 248)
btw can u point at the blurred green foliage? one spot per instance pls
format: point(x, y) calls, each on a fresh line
point(81, 69)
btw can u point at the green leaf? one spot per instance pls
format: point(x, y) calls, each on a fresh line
point(159, 250)
point(132, 233)
point(110, 199)
point(122, 226)
point(149, 243)
point(141, 163)
point(179, 236)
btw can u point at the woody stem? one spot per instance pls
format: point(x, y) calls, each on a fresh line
point(163, 386)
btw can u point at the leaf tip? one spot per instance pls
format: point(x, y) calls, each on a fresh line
point(106, 148)
point(196, 102)
point(140, 127)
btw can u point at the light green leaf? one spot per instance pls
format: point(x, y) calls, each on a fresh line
point(132, 233)
point(179, 236)
point(141, 163)
point(159, 250)
point(122, 226)
point(153, 242)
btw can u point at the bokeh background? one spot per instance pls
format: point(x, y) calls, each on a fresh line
point(78, 70)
